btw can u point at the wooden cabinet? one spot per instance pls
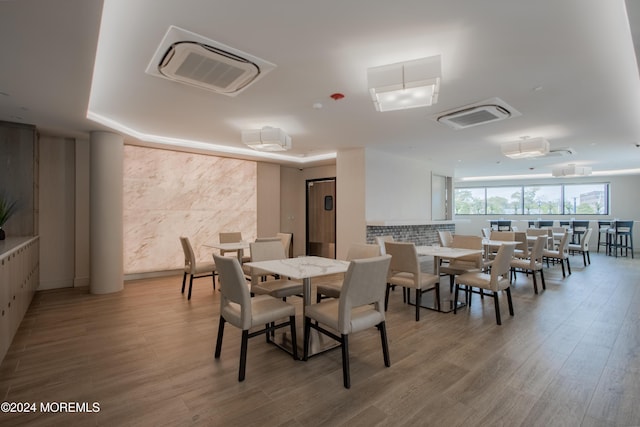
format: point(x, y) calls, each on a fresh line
point(19, 277)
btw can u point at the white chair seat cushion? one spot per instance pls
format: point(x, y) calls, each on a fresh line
point(331, 290)
point(525, 264)
point(362, 318)
point(204, 268)
point(482, 280)
point(575, 247)
point(406, 280)
point(277, 288)
point(264, 308)
point(459, 267)
point(554, 254)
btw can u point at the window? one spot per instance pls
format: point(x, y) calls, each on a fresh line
point(567, 199)
point(585, 199)
point(504, 200)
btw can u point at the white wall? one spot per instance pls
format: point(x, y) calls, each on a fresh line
point(57, 212)
point(268, 199)
point(350, 200)
point(398, 187)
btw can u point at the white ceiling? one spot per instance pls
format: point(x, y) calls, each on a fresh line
point(568, 66)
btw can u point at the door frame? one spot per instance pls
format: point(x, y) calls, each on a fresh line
point(306, 211)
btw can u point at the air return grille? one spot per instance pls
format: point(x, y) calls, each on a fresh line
point(191, 59)
point(478, 114)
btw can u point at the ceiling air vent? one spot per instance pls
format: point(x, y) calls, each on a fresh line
point(191, 59)
point(489, 111)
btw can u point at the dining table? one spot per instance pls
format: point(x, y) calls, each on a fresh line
point(304, 268)
point(235, 246)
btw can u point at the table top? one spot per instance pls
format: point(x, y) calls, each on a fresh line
point(446, 252)
point(231, 246)
point(302, 267)
point(489, 242)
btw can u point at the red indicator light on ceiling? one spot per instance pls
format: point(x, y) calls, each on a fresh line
point(336, 96)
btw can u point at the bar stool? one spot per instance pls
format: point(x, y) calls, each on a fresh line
point(621, 237)
point(603, 229)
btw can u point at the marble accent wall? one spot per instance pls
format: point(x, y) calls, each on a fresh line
point(168, 194)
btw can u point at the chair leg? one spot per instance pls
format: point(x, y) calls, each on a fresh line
point(584, 257)
point(496, 303)
point(307, 333)
point(455, 299)
point(219, 340)
point(589, 257)
point(213, 277)
point(568, 266)
point(243, 355)
point(438, 296)
point(510, 301)
point(418, 302)
point(345, 361)
point(190, 286)
point(535, 283)
point(385, 345)
point(386, 298)
point(562, 264)
point(294, 341)
point(184, 281)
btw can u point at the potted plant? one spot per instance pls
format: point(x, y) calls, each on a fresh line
point(6, 210)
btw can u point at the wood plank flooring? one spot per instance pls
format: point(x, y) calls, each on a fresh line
point(569, 357)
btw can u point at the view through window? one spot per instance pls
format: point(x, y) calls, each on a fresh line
point(566, 199)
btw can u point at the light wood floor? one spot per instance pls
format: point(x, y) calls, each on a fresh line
point(569, 357)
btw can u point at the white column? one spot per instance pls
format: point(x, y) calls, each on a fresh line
point(107, 150)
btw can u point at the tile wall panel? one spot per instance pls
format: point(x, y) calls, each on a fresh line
point(168, 194)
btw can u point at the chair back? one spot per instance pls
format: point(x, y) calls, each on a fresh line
point(563, 247)
point(189, 256)
point(604, 226)
point(404, 258)
point(229, 237)
point(523, 245)
point(584, 243)
point(445, 237)
point(362, 250)
point(504, 225)
point(468, 242)
point(234, 290)
point(545, 223)
point(364, 283)
point(505, 236)
point(286, 242)
point(501, 265)
point(623, 227)
point(380, 240)
point(265, 251)
point(535, 254)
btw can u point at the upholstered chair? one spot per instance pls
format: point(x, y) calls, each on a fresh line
point(194, 268)
point(359, 307)
point(356, 251)
point(531, 265)
point(494, 282)
point(238, 308)
point(405, 271)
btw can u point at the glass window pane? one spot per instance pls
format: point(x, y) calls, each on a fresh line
point(469, 201)
point(504, 200)
point(543, 200)
point(585, 199)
